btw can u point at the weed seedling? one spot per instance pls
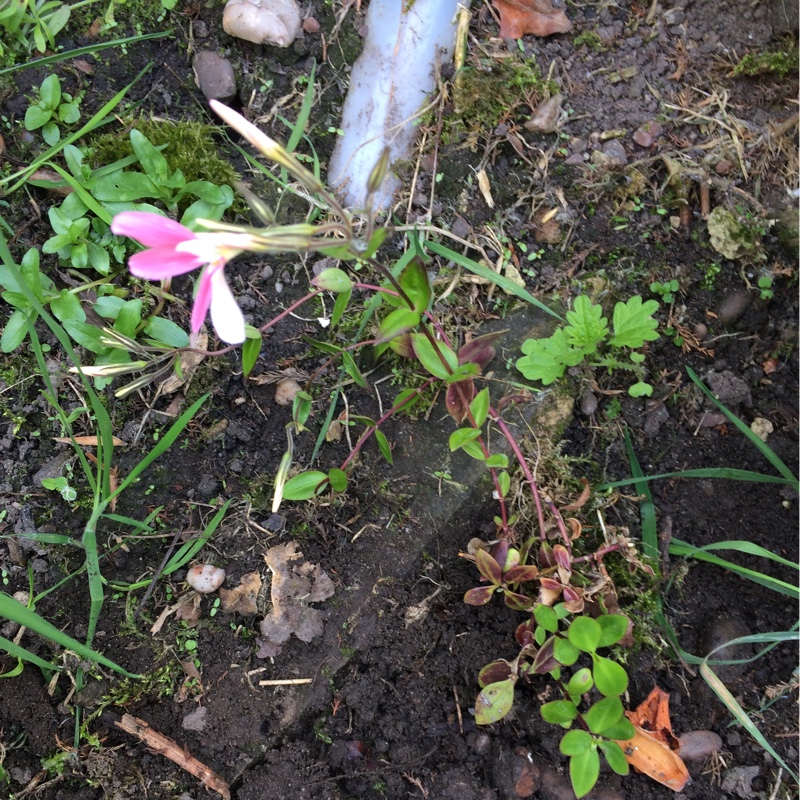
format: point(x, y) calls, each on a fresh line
point(666, 290)
point(53, 108)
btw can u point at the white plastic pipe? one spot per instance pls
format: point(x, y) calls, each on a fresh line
point(389, 84)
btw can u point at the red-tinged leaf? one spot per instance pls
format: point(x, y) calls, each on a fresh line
point(562, 558)
point(524, 633)
point(479, 350)
point(488, 567)
point(520, 574)
point(545, 661)
point(479, 596)
point(500, 552)
point(518, 17)
point(402, 346)
point(573, 599)
point(517, 601)
point(494, 672)
point(494, 702)
point(550, 584)
point(546, 559)
point(458, 397)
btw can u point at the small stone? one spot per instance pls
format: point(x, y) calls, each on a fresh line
point(648, 133)
point(266, 272)
point(545, 119)
point(657, 415)
point(728, 388)
point(733, 739)
point(723, 166)
point(481, 744)
point(738, 781)
point(262, 21)
point(733, 307)
point(576, 159)
point(286, 391)
point(236, 465)
point(515, 773)
point(460, 228)
point(200, 29)
point(310, 25)
point(762, 428)
point(52, 469)
point(205, 578)
point(196, 721)
point(588, 403)
point(214, 75)
point(697, 745)
point(207, 486)
point(700, 331)
point(614, 153)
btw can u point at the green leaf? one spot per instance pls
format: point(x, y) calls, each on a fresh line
point(153, 163)
point(497, 461)
point(581, 682)
point(339, 307)
point(559, 712)
point(303, 486)
point(50, 92)
point(504, 481)
point(351, 368)
point(416, 284)
point(399, 321)
point(587, 326)
point(460, 437)
point(494, 702)
point(15, 331)
point(164, 331)
point(565, 652)
point(383, 446)
point(129, 318)
point(640, 389)
point(610, 678)
point(430, 358)
point(250, 350)
point(585, 634)
point(575, 742)
point(615, 757)
point(546, 617)
point(603, 714)
point(67, 306)
point(333, 280)
point(622, 730)
point(584, 770)
point(50, 133)
point(36, 117)
point(613, 627)
point(85, 335)
point(337, 479)
point(634, 323)
point(69, 113)
point(546, 359)
point(122, 187)
point(479, 407)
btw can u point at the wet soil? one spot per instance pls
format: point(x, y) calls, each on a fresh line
point(382, 706)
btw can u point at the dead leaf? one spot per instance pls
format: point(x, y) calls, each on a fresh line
point(545, 118)
point(84, 66)
point(189, 612)
point(190, 361)
point(458, 397)
point(87, 441)
point(518, 17)
point(485, 187)
point(294, 586)
point(586, 493)
point(242, 598)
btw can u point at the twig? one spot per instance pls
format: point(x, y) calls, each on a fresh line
point(286, 682)
point(169, 749)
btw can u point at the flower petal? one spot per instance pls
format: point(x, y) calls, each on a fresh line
point(162, 262)
point(202, 299)
point(151, 230)
point(226, 316)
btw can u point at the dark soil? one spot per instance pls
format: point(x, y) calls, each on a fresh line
point(387, 713)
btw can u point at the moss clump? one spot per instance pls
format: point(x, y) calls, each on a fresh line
point(590, 39)
point(487, 92)
point(190, 147)
point(773, 62)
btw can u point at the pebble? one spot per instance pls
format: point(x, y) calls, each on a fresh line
point(205, 578)
point(657, 415)
point(200, 29)
point(729, 389)
point(762, 428)
point(723, 166)
point(196, 721)
point(286, 391)
point(214, 75)
point(310, 25)
point(574, 160)
point(738, 781)
point(697, 745)
point(263, 21)
point(615, 152)
point(700, 331)
point(545, 119)
point(588, 403)
point(733, 306)
point(648, 133)
point(515, 774)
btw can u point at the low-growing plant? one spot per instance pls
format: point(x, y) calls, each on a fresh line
point(667, 290)
point(587, 339)
point(29, 25)
point(53, 108)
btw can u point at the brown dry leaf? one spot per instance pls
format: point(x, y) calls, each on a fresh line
point(190, 361)
point(242, 598)
point(295, 584)
point(84, 66)
point(88, 441)
point(518, 17)
point(189, 612)
point(485, 187)
point(586, 493)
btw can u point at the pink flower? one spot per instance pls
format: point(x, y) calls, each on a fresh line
point(175, 250)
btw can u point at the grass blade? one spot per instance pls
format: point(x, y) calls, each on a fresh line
point(723, 473)
point(15, 651)
point(14, 610)
point(489, 274)
point(647, 509)
point(762, 446)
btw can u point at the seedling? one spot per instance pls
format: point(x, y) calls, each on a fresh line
point(54, 107)
point(587, 339)
point(666, 290)
point(765, 285)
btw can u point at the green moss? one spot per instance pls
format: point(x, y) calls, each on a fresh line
point(773, 62)
point(590, 39)
point(190, 147)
